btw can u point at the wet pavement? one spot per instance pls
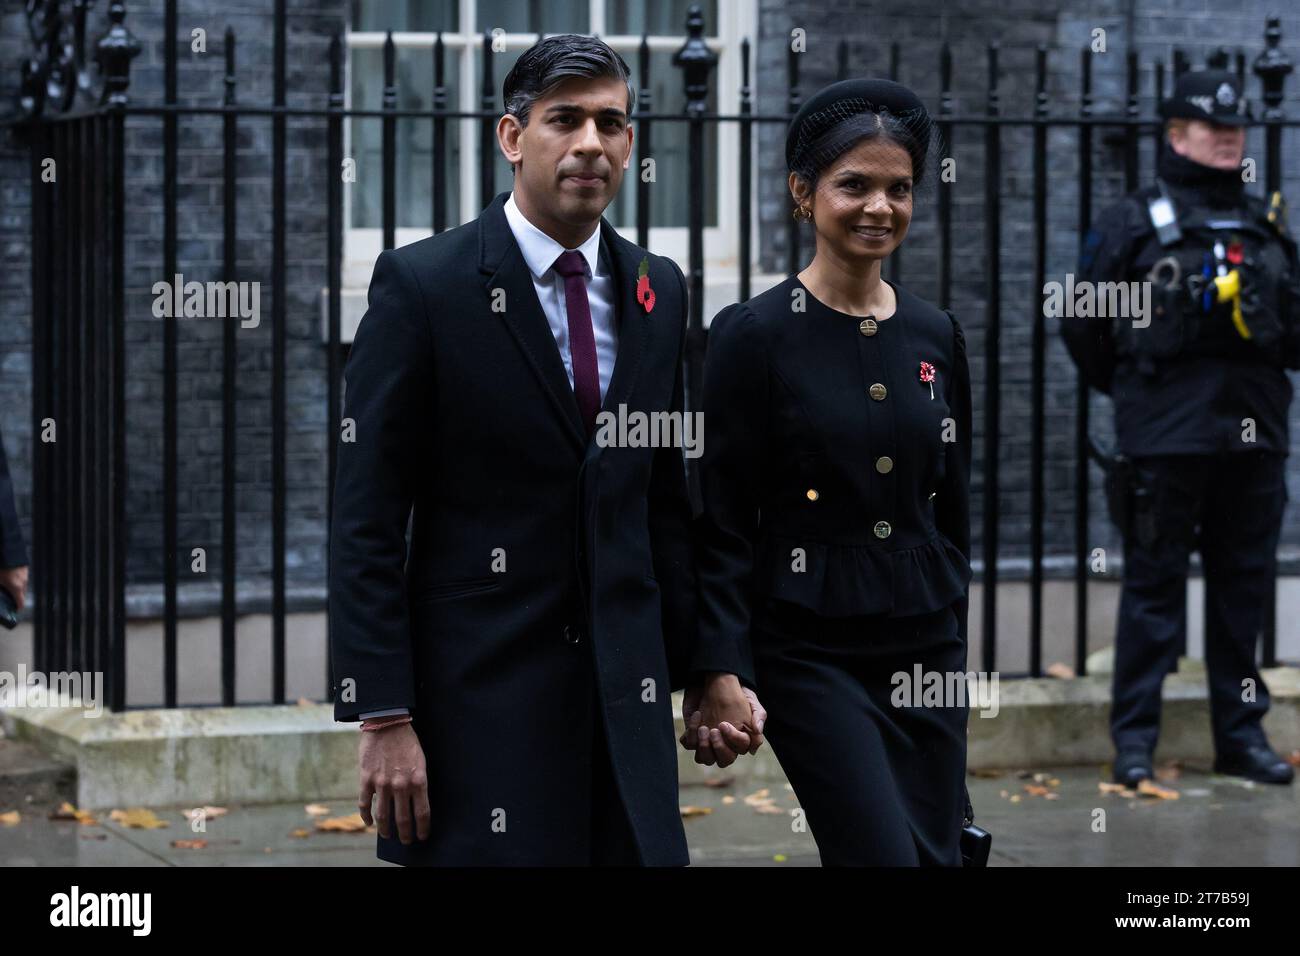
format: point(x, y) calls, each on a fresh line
point(1058, 817)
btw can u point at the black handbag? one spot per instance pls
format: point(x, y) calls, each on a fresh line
point(975, 841)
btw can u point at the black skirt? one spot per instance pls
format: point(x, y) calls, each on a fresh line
point(878, 775)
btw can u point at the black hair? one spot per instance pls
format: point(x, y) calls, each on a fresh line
point(910, 131)
point(549, 62)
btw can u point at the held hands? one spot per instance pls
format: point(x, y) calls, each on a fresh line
point(14, 580)
point(392, 766)
point(723, 720)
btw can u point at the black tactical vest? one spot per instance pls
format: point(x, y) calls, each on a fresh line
point(1183, 320)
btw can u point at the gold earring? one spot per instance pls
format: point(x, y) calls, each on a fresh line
point(802, 213)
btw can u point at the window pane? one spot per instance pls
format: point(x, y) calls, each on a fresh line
point(662, 17)
point(414, 16)
point(502, 64)
point(414, 139)
point(534, 16)
point(670, 192)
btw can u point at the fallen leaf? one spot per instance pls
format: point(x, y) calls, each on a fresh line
point(719, 781)
point(1059, 670)
point(67, 811)
point(304, 702)
point(189, 844)
point(1015, 798)
point(759, 796)
point(300, 833)
point(1293, 758)
point(1034, 790)
point(1149, 788)
point(348, 824)
point(728, 799)
point(317, 810)
point(779, 857)
point(688, 812)
point(10, 819)
point(1119, 788)
point(137, 817)
point(768, 808)
point(1168, 773)
point(984, 773)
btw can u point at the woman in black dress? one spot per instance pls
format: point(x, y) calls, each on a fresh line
point(835, 538)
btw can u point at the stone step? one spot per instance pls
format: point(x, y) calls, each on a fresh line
point(265, 754)
point(30, 780)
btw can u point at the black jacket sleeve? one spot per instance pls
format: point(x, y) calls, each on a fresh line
point(735, 404)
point(13, 551)
point(389, 402)
point(952, 497)
point(670, 520)
point(1107, 250)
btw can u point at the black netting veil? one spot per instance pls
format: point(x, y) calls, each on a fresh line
point(875, 133)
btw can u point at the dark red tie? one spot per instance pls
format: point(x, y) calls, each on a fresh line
point(582, 341)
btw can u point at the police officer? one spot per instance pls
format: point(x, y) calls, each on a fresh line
point(1196, 372)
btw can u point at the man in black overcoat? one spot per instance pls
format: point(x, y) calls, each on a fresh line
point(515, 662)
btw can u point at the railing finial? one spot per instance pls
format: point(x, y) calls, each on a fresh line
point(114, 52)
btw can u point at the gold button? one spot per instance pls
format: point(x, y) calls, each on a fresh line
point(877, 392)
point(882, 529)
point(812, 494)
point(867, 327)
point(884, 464)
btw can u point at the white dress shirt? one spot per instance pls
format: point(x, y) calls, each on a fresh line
point(540, 252)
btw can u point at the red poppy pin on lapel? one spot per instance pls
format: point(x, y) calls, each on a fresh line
point(927, 376)
point(644, 294)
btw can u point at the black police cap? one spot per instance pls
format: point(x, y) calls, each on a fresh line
point(828, 106)
point(1211, 95)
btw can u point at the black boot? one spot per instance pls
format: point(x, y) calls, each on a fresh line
point(1132, 767)
point(1258, 763)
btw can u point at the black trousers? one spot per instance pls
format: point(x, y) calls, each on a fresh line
point(1229, 508)
point(881, 784)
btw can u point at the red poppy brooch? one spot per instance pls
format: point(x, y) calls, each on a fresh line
point(645, 295)
point(927, 376)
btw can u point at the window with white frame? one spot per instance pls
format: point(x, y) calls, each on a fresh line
point(619, 23)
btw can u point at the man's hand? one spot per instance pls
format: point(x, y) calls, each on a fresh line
point(392, 766)
point(14, 580)
point(723, 720)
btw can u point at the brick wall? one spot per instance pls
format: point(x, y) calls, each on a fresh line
point(199, 227)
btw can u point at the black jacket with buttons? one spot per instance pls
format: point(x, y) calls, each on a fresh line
point(834, 476)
